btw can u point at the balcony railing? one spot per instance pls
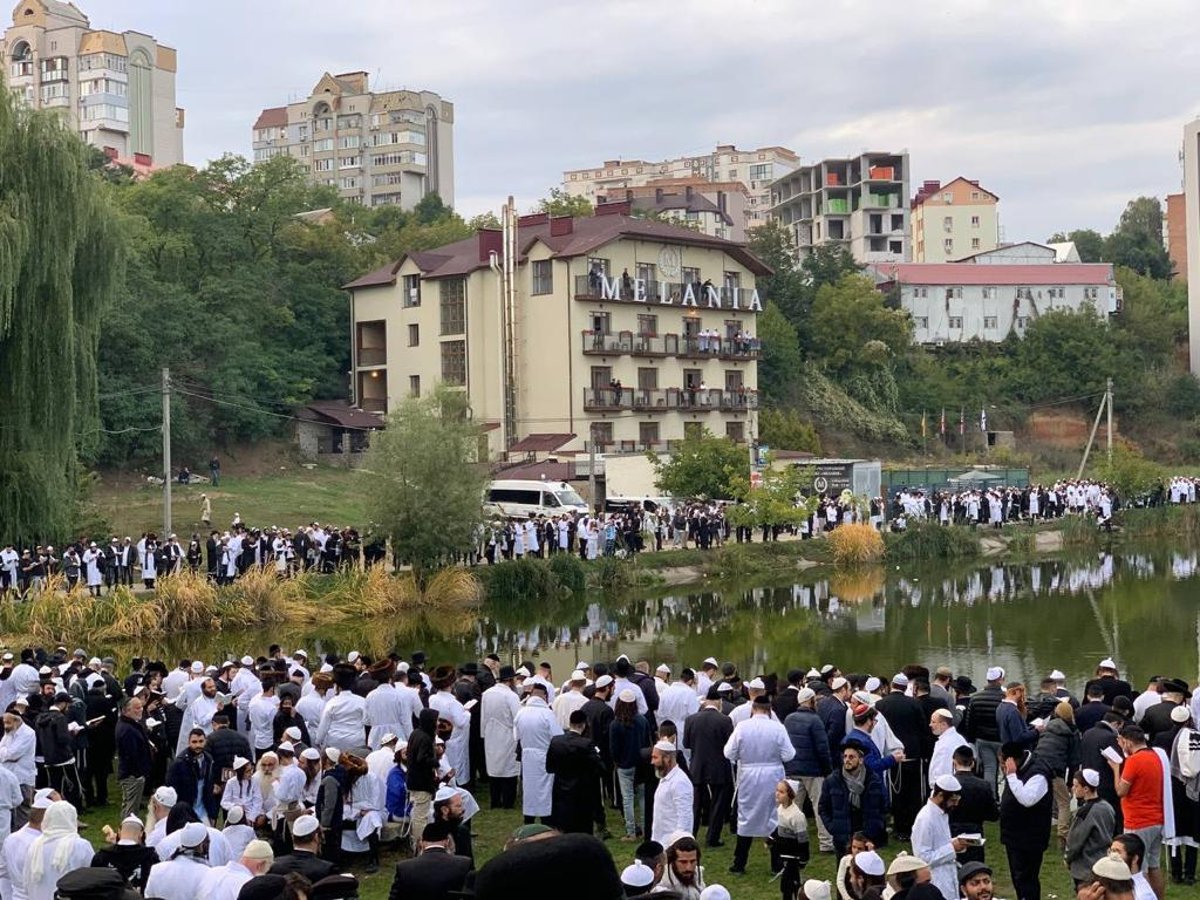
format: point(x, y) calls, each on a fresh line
point(373, 404)
point(372, 356)
point(652, 400)
point(628, 343)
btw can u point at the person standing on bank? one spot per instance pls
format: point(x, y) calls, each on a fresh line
point(498, 711)
point(534, 727)
point(759, 747)
point(705, 735)
point(1025, 809)
point(575, 763)
point(1091, 830)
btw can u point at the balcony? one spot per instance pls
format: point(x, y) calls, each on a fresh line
point(627, 343)
point(657, 400)
point(372, 356)
point(373, 404)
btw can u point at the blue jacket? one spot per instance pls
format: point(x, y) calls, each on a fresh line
point(834, 808)
point(833, 716)
point(627, 743)
point(1013, 728)
point(397, 794)
point(874, 760)
point(807, 734)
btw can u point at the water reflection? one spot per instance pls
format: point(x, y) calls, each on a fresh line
point(1137, 606)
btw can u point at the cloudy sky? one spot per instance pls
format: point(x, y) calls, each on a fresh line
point(1065, 108)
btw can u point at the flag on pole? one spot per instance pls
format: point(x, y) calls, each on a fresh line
point(922, 423)
point(942, 428)
point(962, 420)
point(983, 419)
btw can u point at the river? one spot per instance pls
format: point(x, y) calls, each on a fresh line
point(1138, 606)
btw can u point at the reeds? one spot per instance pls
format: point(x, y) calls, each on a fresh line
point(931, 540)
point(856, 544)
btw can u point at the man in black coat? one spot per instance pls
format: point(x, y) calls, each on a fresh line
point(1025, 810)
point(705, 733)
point(1092, 710)
point(193, 775)
point(785, 704)
point(976, 804)
point(1106, 678)
point(577, 768)
point(422, 765)
point(599, 718)
point(434, 873)
point(135, 756)
point(910, 724)
point(305, 858)
point(224, 743)
point(1091, 752)
point(832, 710)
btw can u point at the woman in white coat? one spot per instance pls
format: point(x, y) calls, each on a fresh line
point(497, 714)
point(533, 728)
point(58, 851)
point(758, 748)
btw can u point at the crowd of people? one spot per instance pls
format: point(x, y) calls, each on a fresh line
point(272, 776)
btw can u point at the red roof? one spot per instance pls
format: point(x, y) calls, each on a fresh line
point(551, 472)
point(586, 235)
point(976, 274)
point(544, 443)
point(275, 117)
point(339, 413)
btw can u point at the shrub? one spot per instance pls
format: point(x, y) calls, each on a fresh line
point(569, 572)
point(614, 575)
point(929, 540)
point(520, 579)
point(856, 544)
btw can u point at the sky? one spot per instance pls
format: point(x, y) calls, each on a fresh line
point(1066, 109)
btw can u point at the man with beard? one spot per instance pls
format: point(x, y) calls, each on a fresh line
point(577, 768)
point(853, 799)
point(192, 775)
point(599, 717)
point(448, 809)
point(1025, 810)
point(683, 875)
point(534, 727)
point(975, 881)
point(498, 710)
point(673, 796)
point(909, 723)
point(199, 713)
point(931, 835)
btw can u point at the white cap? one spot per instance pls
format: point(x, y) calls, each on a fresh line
point(995, 673)
point(310, 753)
point(943, 713)
point(258, 849)
point(292, 733)
point(816, 890)
point(1090, 777)
point(166, 796)
point(1107, 663)
point(333, 754)
point(286, 747)
point(711, 661)
point(1180, 714)
point(438, 742)
point(94, 661)
point(582, 666)
point(133, 820)
point(665, 747)
point(663, 667)
point(194, 834)
point(239, 761)
point(197, 667)
point(304, 826)
point(235, 815)
point(724, 687)
point(326, 668)
point(637, 875)
point(1058, 676)
point(247, 660)
point(627, 696)
point(872, 684)
point(906, 862)
point(715, 892)
point(444, 793)
point(578, 676)
point(900, 679)
point(812, 673)
point(1111, 867)
point(41, 800)
point(303, 653)
point(523, 672)
point(604, 681)
point(838, 683)
point(7, 657)
point(387, 739)
point(869, 863)
point(805, 694)
point(756, 684)
point(352, 656)
point(948, 783)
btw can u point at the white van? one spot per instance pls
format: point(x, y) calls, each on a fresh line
point(517, 499)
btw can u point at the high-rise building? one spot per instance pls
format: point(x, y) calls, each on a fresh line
point(754, 170)
point(612, 328)
point(117, 89)
point(953, 220)
point(859, 202)
point(377, 149)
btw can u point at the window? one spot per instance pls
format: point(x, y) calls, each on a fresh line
point(974, 221)
point(322, 145)
point(412, 291)
point(974, 195)
point(387, 178)
point(733, 380)
point(693, 431)
point(647, 325)
point(322, 165)
point(974, 243)
point(647, 433)
point(733, 173)
point(948, 223)
point(54, 90)
point(920, 321)
point(602, 433)
point(104, 111)
point(989, 293)
point(454, 305)
point(953, 293)
point(735, 431)
point(690, 276)
point(989, 323)
point(761, 172)
point(595, 262)
point(1060, 293)
point(414, 335)
point(543, 276)
point(1091, 293)
point(1022, 321)
point(602, 323)
point(454, 362)
point(414, 385)
point(349, 184)
point(348, 142)
point(647, 379)
point(956, 321)
point(350, 162)
point(948, 244)
point(947, 197)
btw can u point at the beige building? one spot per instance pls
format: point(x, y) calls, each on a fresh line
point(630, 331)
point(753, 169)
point(117, 89)
point(377, 149)
point(954, 220)
point(859, 202)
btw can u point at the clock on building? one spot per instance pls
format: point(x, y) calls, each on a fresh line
point(669, 262)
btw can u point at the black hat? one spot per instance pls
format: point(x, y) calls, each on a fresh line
point(418, 658)
point(555, 860)
point(507, 673)
point(263, 887)
point(469, 668)
point(970, 870)
point(578, 717)
point(1174, 686)
point(442, 676)
point(714, 693)
point(963, 685)
point(344, 676)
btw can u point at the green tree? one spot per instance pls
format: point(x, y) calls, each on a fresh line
point(851, 327)
point(61, 254)
point(1130, 473)
point(786, 429)
point(1137, 241)
point(426, 487)
point(431, 208)
point(560, 203)
point(484, 220)
point(1063, 354)
point(779, 365)
point(705, 466)
point(778, 500)
point(1088, 243)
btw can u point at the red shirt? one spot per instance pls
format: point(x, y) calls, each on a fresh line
point(1143, 805)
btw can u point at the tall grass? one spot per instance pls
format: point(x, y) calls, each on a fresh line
point(856, 544)
point(929, 540)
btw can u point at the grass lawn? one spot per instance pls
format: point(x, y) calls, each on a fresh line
point(491, 828)
point(299, 496)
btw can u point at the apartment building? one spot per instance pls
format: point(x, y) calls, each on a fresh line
point(627, 331)
point(953, 220)
point(117, 89)
point(377, 149)
point(755, 170)
point(859, 202)
point(715, 208)
point(995, 293)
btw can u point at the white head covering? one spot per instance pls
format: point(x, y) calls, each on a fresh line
point(235, 815)
point(817, 890)
point(948, 783)
point(995, 673)
point(638, 875)
point(756, 684)
point(58, 827)
point(715, 892)
point(665, 747)
point(869, 862)
point(872, 684)
point(1090, 777)
point(805, 694)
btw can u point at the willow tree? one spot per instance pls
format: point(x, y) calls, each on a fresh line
point(60, 255)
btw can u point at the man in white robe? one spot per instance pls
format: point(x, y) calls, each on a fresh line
point(758, 747)
point(182, 877)
point(570, 699)
point(941, 722)
point(224, 882)
point(387, 711)
point(342, 720)
point(458, 749)
point(931, 839)
point(199, 714)
point(533, 727)
point(497, 713)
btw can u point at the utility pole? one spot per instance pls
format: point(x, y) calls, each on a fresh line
point(591, 445)
point(1108, 403)
point(166, 440)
